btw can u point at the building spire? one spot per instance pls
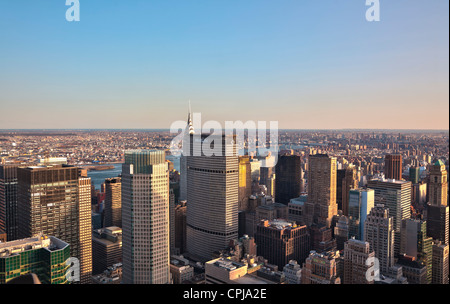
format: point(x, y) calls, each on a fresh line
point(191, 127)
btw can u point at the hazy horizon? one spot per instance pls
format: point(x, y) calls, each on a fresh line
point(311, 65)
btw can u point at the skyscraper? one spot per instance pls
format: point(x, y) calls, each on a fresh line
point(245, 182)
point(183, 159)
point(288, 178)
point(280, 241)
point(341, 232)
point(393, 166)
point(438, 185)
point(440, 270)
point(180, 226)
point(56, 201)
point(396, 196)
point(349, 182)
point(267, 178)
point(361, 202)
point(113, 202)
point(8, 201)
point(414, 175)
point(321, 205)
point(416, 244)
point(379, 232)
point(85, 229)
point(212, 195)
point(340, 175)
point(145, 218)
point(438, 223)
point(356, 263)
point(106, 248)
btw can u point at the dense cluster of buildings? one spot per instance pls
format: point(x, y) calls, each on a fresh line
point(337, 208)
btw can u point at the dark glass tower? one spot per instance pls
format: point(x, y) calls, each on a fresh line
point(288, 178)
point(8, 201)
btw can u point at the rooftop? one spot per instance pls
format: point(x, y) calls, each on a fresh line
point(279, 224)
point(39, 241)
point(227, 264)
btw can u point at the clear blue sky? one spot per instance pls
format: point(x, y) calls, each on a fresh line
point(306, 63)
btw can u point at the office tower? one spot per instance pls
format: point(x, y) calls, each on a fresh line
point(96, 220)
point(113, 202)
point(145, 218)
point(8, 201)
point(85, 229)
point(255, 167)
point(321, 268)
point(106, 248)
point(245, 182)
point(379, 232)
point(361, 201)
point(173, 249)
point(180, 226)
point(396, 196)
point(440, 270)
point(414, 174)
point(438, 185)
point(393, 166)
point(3, 237)
point(341, 232)
point(438, 223)
point(419, 195)
point(293, 273)
point(56, 201)
point(321, 205)
point(357, 263)
point(47, 257)
point(267, 178)
point(186, 149)
point(271, 187)
point(349, 182)
point(416, 244)
point(287, 182)
point(340, 175)
point(213, 184)
point(280, 241)
point(414, 271)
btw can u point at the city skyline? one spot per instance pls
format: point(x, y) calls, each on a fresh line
point(234, 61)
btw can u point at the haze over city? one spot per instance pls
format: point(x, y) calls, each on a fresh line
point(306, 64)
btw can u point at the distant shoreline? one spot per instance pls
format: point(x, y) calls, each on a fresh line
point(51, 131)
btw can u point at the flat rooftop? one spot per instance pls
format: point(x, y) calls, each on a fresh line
point(227, 264)
point(41, 241)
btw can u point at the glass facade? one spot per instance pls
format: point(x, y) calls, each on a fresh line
point(48, 264)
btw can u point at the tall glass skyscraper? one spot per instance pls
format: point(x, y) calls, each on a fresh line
point(8, 201)
point(145, 218)
point(56, 200)
point(395, 195)
point(361, 202)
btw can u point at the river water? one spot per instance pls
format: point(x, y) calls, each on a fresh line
point(98, 177)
